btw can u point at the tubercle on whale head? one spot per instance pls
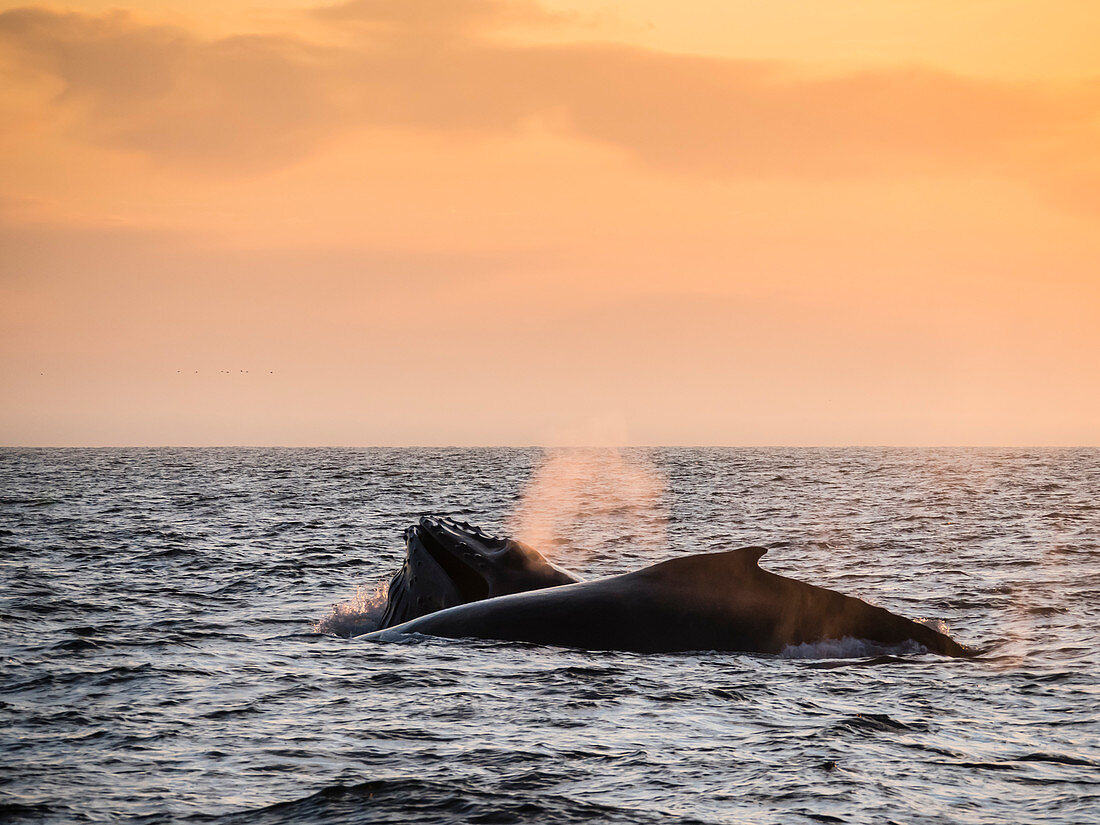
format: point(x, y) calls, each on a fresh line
point(492, 556)
point(449, 562)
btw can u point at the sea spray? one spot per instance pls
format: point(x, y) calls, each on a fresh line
point(358, 615)
point(849, 648)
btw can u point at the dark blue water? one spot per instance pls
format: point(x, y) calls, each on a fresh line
point(160, 660)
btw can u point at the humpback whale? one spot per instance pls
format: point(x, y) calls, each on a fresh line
point(710, 601)
point(448, 563)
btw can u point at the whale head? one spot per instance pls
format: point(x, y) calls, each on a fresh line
point(448, 562)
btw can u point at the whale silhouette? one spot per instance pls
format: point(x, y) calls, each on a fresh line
point(709, 601)
point(449, 563)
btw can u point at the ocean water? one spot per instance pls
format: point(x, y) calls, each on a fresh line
point(169, 650)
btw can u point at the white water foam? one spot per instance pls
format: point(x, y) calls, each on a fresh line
point(358, 615)
point(850, 648)
point(939, 625)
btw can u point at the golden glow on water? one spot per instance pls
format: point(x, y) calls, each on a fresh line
point(157, 642)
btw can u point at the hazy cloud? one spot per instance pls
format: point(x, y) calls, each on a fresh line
point(422, 64)
point(443, 16)
point(246, 100)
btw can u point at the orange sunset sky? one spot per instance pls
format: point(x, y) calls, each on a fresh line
point(490, 222)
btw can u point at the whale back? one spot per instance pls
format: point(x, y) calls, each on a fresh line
point(694, 602)
point(699, 568)
point(709, 601)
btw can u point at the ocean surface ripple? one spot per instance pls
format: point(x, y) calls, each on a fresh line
point(161, 658)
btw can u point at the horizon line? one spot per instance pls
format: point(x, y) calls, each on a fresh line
point(884, 446)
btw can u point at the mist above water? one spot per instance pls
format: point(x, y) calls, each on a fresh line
point(581, 499)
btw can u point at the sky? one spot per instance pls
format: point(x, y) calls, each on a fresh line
point(464, 222)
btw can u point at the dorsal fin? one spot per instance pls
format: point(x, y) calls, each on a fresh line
point(739, 561)
point(751, 555)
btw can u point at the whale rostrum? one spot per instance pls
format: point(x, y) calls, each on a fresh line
point(449, 563)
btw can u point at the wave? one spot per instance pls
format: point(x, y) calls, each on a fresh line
point(409, 801)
